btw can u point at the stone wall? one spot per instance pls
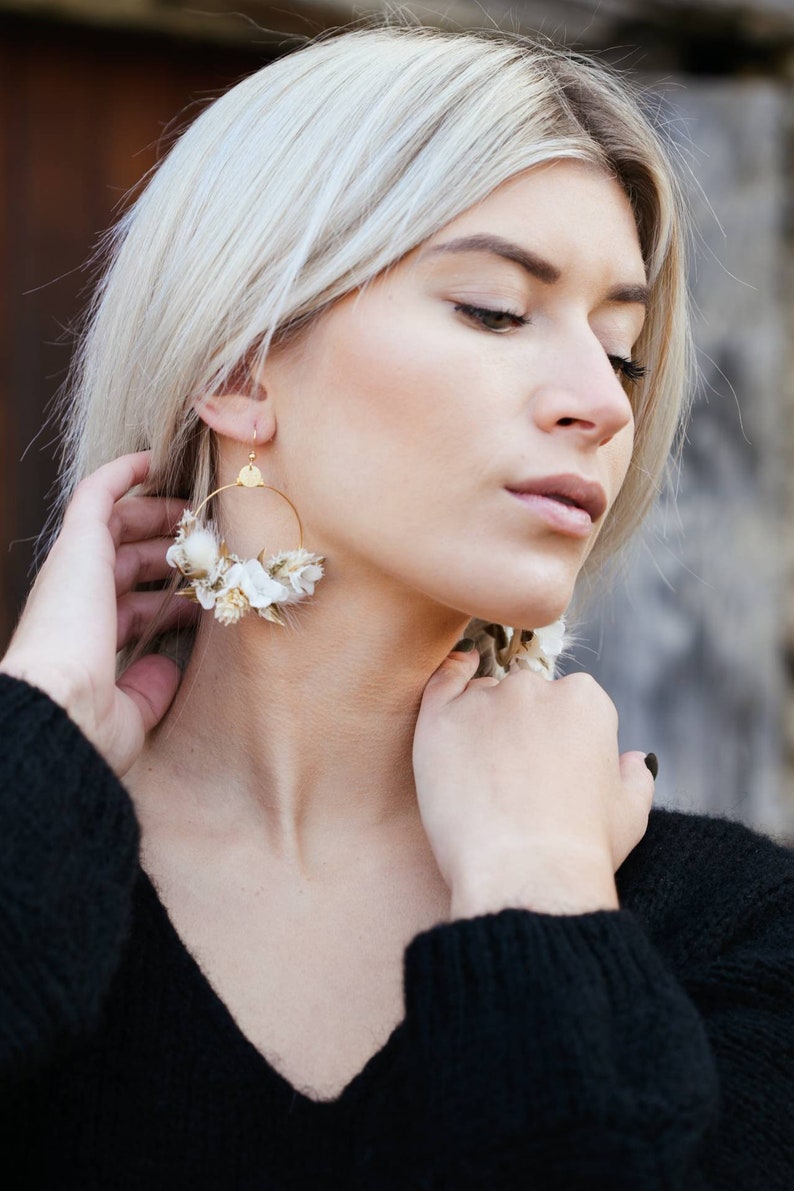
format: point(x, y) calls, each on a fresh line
point(691, 643)
point(757, 28)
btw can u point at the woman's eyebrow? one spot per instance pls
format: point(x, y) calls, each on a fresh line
point(535, 265)
point(498, 246)
point(631, 293)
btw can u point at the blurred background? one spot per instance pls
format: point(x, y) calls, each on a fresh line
point(695, 642)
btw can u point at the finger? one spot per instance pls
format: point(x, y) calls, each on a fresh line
point(451, 678)
point(141, 562)
point(151, 684)
point(137, 517)
point(90, 510)
point(96, 494)
point(139, 609)
point(636, 775)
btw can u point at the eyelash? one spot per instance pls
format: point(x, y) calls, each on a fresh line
point(480, 313)
point(630, 370)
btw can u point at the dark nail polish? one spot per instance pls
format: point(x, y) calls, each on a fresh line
point(653, 764)
point(465, 645)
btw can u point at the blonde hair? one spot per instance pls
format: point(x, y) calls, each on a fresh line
point(305, 181)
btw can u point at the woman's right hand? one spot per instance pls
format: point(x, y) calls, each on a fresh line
point(524, 797)
point(82, 609)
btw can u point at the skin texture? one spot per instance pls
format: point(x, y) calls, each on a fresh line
point(355, 743)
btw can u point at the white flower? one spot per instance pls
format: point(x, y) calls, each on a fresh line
point(551, 639)
point(540, 653)
point(196, 556)
point(231, 604)
point(300, 569)
point(259, 588)
point(205, 594)
point(195, 551)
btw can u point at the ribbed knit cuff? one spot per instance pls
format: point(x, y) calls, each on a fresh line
point(68, 859)
point(495, 960)
point(571, 1017)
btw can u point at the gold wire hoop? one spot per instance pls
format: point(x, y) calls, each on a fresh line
point(251, 477)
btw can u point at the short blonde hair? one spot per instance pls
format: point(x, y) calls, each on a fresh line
point(310, 177)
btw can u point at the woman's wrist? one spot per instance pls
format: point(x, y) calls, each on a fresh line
point(558, 885)
point(26, 671)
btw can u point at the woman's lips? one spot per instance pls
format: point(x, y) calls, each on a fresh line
point(567, 519)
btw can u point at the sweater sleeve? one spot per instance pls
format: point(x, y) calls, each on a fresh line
point(546, 1052)
point(68, 859)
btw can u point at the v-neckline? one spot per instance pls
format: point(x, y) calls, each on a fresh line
point(292, 1098)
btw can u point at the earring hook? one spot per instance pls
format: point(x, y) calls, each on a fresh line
point(250, 476)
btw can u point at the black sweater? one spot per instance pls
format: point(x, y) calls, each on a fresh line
point(640, 1048)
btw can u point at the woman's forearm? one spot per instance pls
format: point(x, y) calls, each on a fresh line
point(69, 857)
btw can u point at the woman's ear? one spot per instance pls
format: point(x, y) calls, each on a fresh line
point(237, 415)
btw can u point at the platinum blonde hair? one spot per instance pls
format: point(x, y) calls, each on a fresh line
point(305, 181)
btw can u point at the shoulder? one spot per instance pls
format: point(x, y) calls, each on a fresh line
point(714, 839)
point(698, 881)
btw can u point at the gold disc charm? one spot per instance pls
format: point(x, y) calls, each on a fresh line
point(250, 476)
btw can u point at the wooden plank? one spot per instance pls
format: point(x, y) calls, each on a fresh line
point(8, 487)
point(82, 115)
point(53, 187)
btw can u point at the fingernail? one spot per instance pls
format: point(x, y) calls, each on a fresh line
point(652, 762)
point(465, 645)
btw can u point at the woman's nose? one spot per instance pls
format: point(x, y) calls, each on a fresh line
point(589, 402)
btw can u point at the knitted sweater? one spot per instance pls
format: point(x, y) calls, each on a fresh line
point(633, 1049)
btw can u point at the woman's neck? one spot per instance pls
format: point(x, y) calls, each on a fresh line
point(302, 736)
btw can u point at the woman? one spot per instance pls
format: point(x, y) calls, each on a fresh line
point(351, 902)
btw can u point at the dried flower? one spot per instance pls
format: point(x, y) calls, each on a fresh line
point(299, 569)
point(205, 594)
point(528, 649)
point(195, 551)
point(230, 605)
point(272, 612)
point(252, 578)
point(233, 585)
point(540, 648)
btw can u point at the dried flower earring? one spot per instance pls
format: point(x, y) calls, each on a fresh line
point(529, 649)
point(233, 586)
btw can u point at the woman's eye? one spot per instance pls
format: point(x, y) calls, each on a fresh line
point(493, 320)
point(630, 370)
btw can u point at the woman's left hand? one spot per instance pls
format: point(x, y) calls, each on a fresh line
point(524, 797)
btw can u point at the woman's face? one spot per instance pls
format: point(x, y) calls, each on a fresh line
point(485, 362)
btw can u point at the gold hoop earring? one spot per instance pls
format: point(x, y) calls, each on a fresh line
point(234, 586)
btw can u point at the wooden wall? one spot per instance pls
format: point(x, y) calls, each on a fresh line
point(83, 115)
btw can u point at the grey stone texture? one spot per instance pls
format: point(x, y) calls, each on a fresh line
point(691, 643)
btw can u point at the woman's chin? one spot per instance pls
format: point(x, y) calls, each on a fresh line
point(524, 601)
point(532, 615)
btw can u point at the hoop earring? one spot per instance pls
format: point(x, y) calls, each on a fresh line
point(233, 586)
